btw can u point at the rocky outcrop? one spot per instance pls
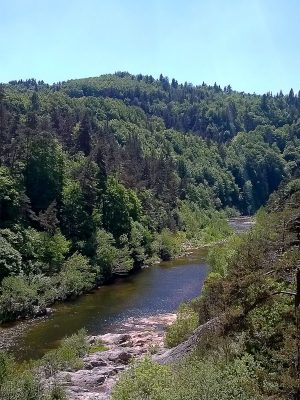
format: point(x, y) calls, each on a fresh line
point(184, 349)
point(137, 337)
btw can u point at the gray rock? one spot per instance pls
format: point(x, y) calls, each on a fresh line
point(101, 369)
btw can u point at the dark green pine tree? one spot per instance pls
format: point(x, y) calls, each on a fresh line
point(84, 135)
point(2, 121)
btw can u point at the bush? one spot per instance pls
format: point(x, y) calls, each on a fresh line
point(17, 298)
point(216, 230)
point(111, 259)
point(22, 386)
point(186, 322)
point(7, 366)
point(98, 346)
point(68, 355)
point(106, 254)
point(53, 250)
point(169, 244)
point(27, 381)
point(10, 196)
point(10, 259)
point(194, 379)
point(145, 380)
point(76, 276)
point(220, 257)
point(24, 382)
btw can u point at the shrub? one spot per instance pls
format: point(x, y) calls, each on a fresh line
point(186, 322)
point(98, 346)
point(53, 250)
point(111, 259)
point(10, 259)
point(145, 380)
point(68, 355)
point(106, 254)
point(17, 298)
point(170, 244)
point(193, 379)
point(76, 276)
point(220, 257)
point(24, 382)
point(7, 366)
point(216, 230)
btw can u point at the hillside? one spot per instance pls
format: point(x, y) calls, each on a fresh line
point(247, 344)
point(100, 176)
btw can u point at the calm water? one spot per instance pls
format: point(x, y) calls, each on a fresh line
point(157, 289)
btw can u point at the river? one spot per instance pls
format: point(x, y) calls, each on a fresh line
point(154, 290)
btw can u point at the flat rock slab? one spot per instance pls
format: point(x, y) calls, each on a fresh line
point(100, 371)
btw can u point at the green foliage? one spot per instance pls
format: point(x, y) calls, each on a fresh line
point(187, 320)
point(10, 259)
point(10, 197)
point(146, 380)
point(216, 230)
point(193, 219)
point(203, 226)
point(147, 162)
point(120, 206)
point(140, 243)
point(99, 174)
point(7, 366)
point(68, 355)
point(17, 297)
point(76, 276)
point(23, 296)
point(109, 258)
point(52, 250)
point(44, 171)
point(27, 381)
point(24, 386)
point(252, 286)
point(220, 257)
point(96, 347)
point(169, 244)
point(194, 379)
point(74, 214)
point(106, 254)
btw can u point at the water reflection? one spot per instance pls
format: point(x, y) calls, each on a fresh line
point(158, 289)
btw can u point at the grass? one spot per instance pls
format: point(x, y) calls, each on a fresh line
point(97, 347)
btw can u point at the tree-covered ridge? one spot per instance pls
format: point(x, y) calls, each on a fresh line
point(101, 175)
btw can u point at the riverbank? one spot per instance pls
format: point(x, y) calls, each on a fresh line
point(136, 338)
point(155, 290)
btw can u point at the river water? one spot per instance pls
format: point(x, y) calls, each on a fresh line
point(154, 290)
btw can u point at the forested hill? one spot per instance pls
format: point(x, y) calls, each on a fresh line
point(131, 126)
point(99, 175)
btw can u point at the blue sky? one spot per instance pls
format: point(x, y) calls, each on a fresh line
point(253, 45)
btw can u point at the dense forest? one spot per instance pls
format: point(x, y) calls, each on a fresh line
point(100, 176)
point(251, 297)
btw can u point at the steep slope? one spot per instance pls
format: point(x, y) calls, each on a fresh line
point(247, 344)
point(99, 176)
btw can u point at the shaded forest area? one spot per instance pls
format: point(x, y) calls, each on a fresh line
point(99, 176)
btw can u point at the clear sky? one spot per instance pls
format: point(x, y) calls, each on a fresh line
point(253, 45)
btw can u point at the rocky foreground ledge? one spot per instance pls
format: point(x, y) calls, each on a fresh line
point(138, 337)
